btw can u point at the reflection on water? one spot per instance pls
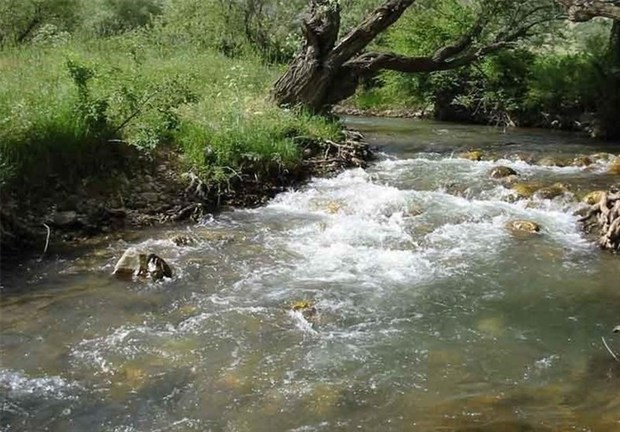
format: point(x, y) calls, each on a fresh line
point(431, 315)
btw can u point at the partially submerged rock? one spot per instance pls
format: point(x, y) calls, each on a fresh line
point(307, 309)
point(500, 172)
point(135, 263)
point(183, 240)
point(473, 155)
point(596, 157)
point(614, 168)
point(552, 161)
point(525, 190)
point(550, 192)
point(582, 161)
point(593, 197)
point(523, 227)
point(157, 268)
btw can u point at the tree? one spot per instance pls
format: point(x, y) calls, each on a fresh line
point(20, 19)
point(585, 10)
point(328, 69)
point(609, 101)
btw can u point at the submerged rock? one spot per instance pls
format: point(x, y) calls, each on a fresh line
point(550, 192)
point(500, 172)
point(134, 263)
point(474, 155)
point(523, 227)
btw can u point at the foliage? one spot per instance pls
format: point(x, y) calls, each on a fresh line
point(67, 111)
point(267, 28)
point(111, 17)
point(20, 19)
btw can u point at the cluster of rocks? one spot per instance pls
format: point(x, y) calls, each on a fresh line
point(603, 215)
point(554, 161)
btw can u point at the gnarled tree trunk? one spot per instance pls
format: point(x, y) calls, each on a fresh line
point(327, 70)
point(318, 77)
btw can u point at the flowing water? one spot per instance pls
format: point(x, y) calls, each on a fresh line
point(432, 316)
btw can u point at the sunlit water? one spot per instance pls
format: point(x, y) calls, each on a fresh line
point(431, 315)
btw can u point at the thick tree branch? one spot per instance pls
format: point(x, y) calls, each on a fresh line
point(376, 22)
point(462, 44)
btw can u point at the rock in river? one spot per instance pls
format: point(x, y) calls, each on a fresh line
point(474, 155)
point(614, 168)
point(523, 227)
point(593, 197)
point(552, 161)
point(525, 190)
point(136, 263)
point(550, 192)
point(502, 172)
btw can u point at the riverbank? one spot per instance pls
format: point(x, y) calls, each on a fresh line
point(96, 134)
point(160, 191)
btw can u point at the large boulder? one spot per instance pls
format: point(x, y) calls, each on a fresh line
point(136, 263)
point(500, 172)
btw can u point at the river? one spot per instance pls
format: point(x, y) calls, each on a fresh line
point(431, 315)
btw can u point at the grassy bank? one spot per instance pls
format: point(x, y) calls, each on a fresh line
point(65, 109)
point(98, 112)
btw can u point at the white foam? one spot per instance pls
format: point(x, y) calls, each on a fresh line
point(17, 384)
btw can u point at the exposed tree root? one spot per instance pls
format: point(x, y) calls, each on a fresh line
point(606, 214)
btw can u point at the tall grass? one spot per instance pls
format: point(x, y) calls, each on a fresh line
point(65, 109)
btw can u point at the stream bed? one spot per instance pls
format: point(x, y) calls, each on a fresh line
point(431, 314)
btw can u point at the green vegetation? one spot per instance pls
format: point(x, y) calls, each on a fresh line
point(69, 106)
point(564, 75)
point(84, 84)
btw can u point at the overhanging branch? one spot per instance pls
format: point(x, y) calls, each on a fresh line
point(376, 22)
point(585, 10)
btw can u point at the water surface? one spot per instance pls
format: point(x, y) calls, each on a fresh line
point(432, 316)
